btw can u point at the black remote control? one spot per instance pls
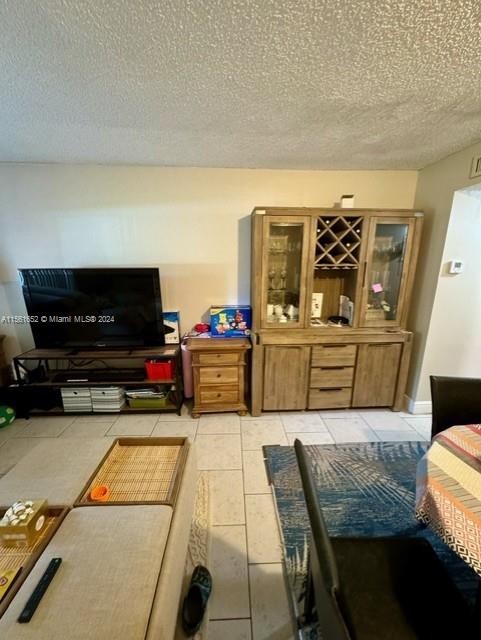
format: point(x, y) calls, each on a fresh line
point(39, 591)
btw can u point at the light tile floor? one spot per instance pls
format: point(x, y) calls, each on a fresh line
point(249, 601)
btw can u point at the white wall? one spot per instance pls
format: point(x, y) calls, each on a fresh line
point(435, 191)
point(453, 345)
point(11, 343)
point(192, 223)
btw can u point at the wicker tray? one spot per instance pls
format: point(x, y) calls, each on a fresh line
point(26, 557)
point(139, 471)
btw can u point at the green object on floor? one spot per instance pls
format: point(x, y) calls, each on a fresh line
point(7, 416)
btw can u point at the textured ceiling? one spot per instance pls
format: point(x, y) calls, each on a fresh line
point(328, 84)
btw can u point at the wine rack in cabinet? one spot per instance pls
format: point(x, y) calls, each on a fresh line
point(338, 242)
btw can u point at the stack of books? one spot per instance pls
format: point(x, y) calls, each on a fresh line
point(107, 399)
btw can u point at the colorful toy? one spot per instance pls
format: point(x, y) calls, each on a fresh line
point(7, 416)
point(202, 327)
point(230, 321)
point(100, 493)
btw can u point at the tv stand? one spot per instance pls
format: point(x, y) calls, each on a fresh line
point(42, 373)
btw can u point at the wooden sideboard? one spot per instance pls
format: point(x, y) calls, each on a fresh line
point(219, 366)
point(309, 370)
point(302, 256)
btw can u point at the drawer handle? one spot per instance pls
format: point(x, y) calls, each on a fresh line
point(331, 368)
point(333, 389)
point(219, 375)
point(219, 395)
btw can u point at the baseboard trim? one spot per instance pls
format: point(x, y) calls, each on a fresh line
point(421, 406)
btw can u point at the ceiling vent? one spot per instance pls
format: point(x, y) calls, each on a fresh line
point(475, 167)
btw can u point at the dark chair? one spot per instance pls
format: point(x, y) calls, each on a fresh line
point(378, 588)
point(455, 401)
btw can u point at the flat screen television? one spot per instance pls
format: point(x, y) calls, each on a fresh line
point(94, 308)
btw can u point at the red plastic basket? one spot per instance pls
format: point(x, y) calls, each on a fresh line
point(159, 370)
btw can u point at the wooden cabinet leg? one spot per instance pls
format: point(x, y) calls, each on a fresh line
point(195, 415)
point(403, 375)
point(242, 413)
point(256, 379)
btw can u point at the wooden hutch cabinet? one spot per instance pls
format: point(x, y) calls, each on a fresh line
point(311, 265)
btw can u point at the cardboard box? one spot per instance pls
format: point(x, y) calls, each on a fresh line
point(25, 533)
point(230, 321)
point(172, 327)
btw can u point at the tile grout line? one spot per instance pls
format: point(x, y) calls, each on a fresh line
point(225, 619)
point(249, 590)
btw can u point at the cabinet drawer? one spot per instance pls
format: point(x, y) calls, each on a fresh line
point(218, 375)
point(217, 358)
point(334, 355)
point(219, 395)
point(326, 377)
point(329, 398)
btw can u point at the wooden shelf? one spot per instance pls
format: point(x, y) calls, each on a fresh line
point(99, 383)
point(111, 376)
point(336, 266)
point(58, 411)
point(167, 351)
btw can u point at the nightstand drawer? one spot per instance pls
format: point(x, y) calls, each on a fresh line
point(329, 398)
point(218, 375)
point(334, 355)
point(219, 395)
point(326, 377)
point(217, 358)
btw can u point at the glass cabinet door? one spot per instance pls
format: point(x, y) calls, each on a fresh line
point(285, 250)
point(385, 271)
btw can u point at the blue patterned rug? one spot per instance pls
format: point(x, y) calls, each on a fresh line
point(365, 489)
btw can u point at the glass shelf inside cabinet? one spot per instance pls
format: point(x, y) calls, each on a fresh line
point(283, 273)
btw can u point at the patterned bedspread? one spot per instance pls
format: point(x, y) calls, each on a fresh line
point(448, 490)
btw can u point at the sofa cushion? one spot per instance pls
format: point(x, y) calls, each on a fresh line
point(56, 470)
point(111, 558)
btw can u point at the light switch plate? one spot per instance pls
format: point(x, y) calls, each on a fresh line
point(456, 266)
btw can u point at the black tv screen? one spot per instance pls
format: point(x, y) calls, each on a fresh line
point(93, 307)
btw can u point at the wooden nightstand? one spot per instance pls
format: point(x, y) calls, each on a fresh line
point(219, 366)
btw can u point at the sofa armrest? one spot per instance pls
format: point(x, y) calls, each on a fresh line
point(165, 606)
